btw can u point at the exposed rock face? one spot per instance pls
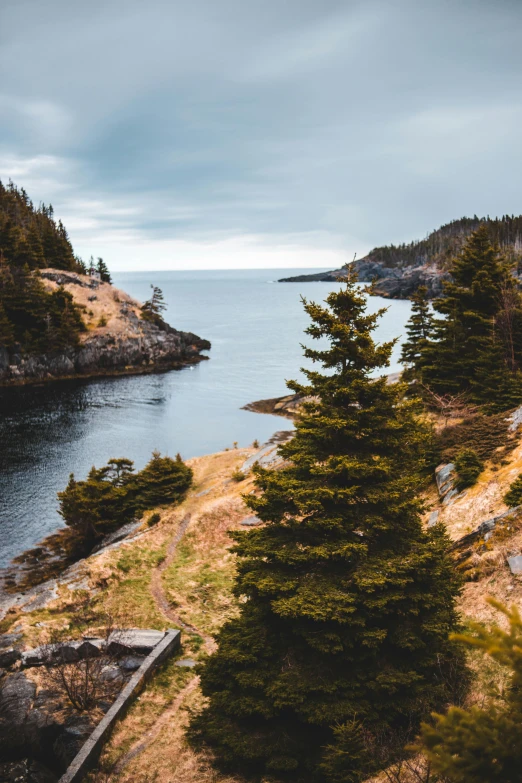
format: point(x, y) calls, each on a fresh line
point(142, 347)
point(395, 283)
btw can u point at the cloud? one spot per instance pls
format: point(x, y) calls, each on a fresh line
point(318, 126)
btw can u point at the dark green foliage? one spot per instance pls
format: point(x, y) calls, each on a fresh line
point(443, 244)
point(484, 744)
point(418, 329)
point(513, 496)
point(162, 481)
point(153, 308)
point(113, 495)
point(469, 466)
point(475, 348)
point(153, 519)
point(32, 320)
point(103, 271)
point(347, 602)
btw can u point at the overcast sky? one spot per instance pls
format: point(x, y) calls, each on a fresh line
point(228, 133)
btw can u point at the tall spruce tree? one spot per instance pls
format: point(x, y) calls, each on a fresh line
point(346, 602)
point(477, 344)
point(418, 329)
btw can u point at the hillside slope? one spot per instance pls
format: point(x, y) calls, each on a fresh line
point(400, 269)
point(116, 339)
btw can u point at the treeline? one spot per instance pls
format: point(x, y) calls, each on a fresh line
point(33, 320)
point(441, 245)
point(469, 348)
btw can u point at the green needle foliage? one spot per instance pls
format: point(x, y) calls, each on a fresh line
point(476, 346)
point(419, 330)
point(341, 643)
point(484, 745)
point(114, 495)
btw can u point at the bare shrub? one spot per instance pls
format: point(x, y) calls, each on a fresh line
point(82, 672)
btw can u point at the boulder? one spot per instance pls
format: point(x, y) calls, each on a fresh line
point(9, 656)
point(16, 697)
point(251, 521)
point(131, 663)
point(444, 477)
point(9, 640)
point(515, 564)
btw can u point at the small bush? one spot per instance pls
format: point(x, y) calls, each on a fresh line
point(469, 466)
point(513, 496)
point(238, 475)
point(255, 444)
point(102, 321)
point(153, 519)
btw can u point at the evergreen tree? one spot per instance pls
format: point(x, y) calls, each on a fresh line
point(484, 744)
point(152, 309)
point(346, 602)
point(418, 331)
point(103, 271)
point(162, 481)
point(470, 352)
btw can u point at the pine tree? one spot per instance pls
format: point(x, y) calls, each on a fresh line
point(162, 481)
point(484, 744)
point(418, 329)
point(470, 350)
point(152, 309)
point(346, 603)
point(103, 271)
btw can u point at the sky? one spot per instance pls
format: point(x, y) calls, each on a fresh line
point(198, 134)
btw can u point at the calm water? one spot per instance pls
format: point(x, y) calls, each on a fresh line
point(255, 327)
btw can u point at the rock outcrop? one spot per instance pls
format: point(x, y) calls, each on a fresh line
point(391, 282)
point(117, 341)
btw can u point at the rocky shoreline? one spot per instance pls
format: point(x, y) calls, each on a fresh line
point(117, 342)
point(389, 282)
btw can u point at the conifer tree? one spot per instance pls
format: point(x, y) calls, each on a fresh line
point(153, 308)
point(484, 744)
point(163, 480)
point(470, 350)
point(103, 271)
point(346, 602)
point(418, 331)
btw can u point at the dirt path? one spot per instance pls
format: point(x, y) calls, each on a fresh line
point(149, 737)
point(158, 591)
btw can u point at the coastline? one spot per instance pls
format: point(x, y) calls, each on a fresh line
point(107, 373)
point(116, 339)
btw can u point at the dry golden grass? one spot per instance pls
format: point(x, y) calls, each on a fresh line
point(107, 304)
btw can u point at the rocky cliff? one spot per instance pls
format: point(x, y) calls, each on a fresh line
point(392, 282)
point(400, 269)
point(117, 340)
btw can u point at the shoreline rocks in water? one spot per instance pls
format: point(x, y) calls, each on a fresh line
point(390, 282)
point(117, 341)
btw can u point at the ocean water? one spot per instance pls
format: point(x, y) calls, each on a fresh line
point(255, 326)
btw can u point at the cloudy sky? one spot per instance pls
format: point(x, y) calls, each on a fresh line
point(231, 133)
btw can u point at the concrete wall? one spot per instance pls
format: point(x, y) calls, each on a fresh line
point(90, 751)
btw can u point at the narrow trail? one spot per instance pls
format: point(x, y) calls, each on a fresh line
point(149, 736)
point(158, 593)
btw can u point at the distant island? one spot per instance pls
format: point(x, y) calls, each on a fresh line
point(399, 270)
point(62, 318)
